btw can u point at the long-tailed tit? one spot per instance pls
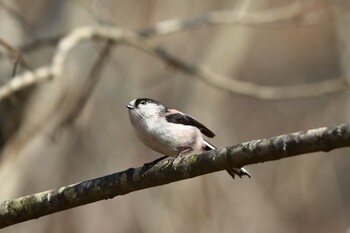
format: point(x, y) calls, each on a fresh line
point(169, 131)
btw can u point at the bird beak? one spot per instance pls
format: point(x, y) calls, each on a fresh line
point(129, 106)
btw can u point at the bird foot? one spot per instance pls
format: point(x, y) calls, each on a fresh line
point(149, 165)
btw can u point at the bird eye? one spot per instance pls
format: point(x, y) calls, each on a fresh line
point(143, 102)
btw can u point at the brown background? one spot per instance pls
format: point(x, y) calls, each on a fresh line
point(302, 194)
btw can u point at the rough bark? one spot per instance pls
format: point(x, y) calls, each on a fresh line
point(171, 170)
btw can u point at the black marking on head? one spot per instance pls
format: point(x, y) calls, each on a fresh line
point(145, 101)
point(180, 118)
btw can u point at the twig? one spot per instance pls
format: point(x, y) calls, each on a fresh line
point(75, 104)
point(19, 18)
point(171, 170)
point(256, 19)
point(246, 88)
point(203, 73)
point(38, 43)
point(24, 80)
point(279, 14)
point(15, 52)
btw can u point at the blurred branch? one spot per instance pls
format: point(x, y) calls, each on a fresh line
point(171, 170)
point(139, 40)
point(166, 27)
point(15, 52)
point(19, 18)
point(278, 14)
point(81, 94)
point(24, 80)
point(38, 43)
point(246, 88)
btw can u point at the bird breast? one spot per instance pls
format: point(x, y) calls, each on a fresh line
point(168, 138)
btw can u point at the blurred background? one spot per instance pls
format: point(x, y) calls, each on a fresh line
point(49, 138)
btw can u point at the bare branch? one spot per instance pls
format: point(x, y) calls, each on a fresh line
point(137, 39)
point(19, 18)
point(171, 170)
point(255, 19)
point(15, 52)
point(24, 80)
point(76, 104)
point(39, 43)
point(279, 14)
point(246, 88)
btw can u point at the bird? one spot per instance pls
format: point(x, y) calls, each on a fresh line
point(171, 132)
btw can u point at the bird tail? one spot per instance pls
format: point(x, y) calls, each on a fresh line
point(232, 171)
point(209, 146)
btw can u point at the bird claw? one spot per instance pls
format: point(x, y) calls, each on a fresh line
point(149, 165)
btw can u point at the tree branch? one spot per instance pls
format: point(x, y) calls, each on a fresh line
point(115, 35)
point(251, 19)
point(15, 52)
point(77, 102)
point(139, 40)
point(171, 170)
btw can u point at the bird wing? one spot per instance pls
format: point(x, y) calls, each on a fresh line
point(177, 117)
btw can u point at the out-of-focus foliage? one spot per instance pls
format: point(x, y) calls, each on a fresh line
point(304, 194)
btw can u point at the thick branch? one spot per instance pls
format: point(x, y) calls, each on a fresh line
point(171, 170)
